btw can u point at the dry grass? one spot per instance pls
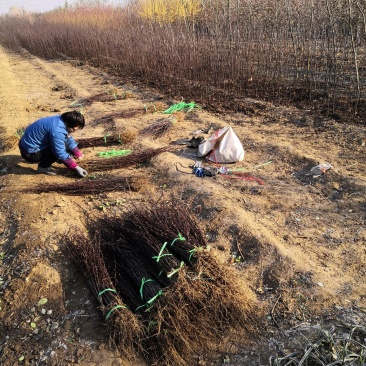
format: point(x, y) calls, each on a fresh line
point(325, 346)
point(7, 143)
point(155, 107)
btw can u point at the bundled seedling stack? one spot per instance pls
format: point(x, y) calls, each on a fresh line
point(161, 290)
point(124, 137)
point(158, 128)
point(91, 186)
point(125, 161)
point(130, 113)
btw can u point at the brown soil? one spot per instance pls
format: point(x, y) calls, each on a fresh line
point(299, 243)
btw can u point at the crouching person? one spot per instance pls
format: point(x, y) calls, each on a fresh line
point(49, 139)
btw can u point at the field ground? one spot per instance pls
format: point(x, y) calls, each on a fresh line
point(299, 243)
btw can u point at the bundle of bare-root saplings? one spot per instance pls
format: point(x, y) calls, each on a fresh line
point(91, 186)
point(163, 294)
point(121, 138)
point(158, 128)
point(125, 161)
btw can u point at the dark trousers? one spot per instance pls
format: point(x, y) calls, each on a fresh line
point(45, 157)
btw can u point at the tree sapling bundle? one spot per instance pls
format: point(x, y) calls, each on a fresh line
point(124, 137)
point(130, 113)
point(158, 128)
point(91, 186)
point(183, 310)
point(119, 162)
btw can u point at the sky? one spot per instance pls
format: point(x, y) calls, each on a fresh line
point(39, 6)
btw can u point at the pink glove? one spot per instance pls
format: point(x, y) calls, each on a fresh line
point(76, 153)
point(70, 163)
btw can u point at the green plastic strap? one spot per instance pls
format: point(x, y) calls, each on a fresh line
point(109, 154)
point(180, 237)
point(105, 137)
point(150, 301)
point(157, 257)
point(182, 106)
point(116, 307)
point(19, 133)
point(107, 289)
point(176, 270)
point(192, 252)
point(139, 307)
point(155, 297)
point(161, 256)
point(143, 281)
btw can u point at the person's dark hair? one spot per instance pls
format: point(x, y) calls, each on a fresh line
point(73, 119)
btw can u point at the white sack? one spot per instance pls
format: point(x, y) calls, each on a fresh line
point(222, 147)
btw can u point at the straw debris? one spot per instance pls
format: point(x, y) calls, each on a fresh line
point(324, 346)
point(6, 143)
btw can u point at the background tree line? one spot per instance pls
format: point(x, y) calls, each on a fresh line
point(216, 51)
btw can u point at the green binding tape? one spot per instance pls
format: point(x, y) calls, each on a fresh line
point(116, 307)
point(182, 106)
point(112, 153)
point(155, 297)
point(106, 290)
point(157, 257)
point(105, 137)
point(176, 270)
point(139, 307)
point(143, 281)
point(150, 301)
point(180, 237)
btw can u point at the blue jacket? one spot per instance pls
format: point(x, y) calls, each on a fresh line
point(48, 132)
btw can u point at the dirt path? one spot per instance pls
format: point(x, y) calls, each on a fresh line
point(299, 239)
